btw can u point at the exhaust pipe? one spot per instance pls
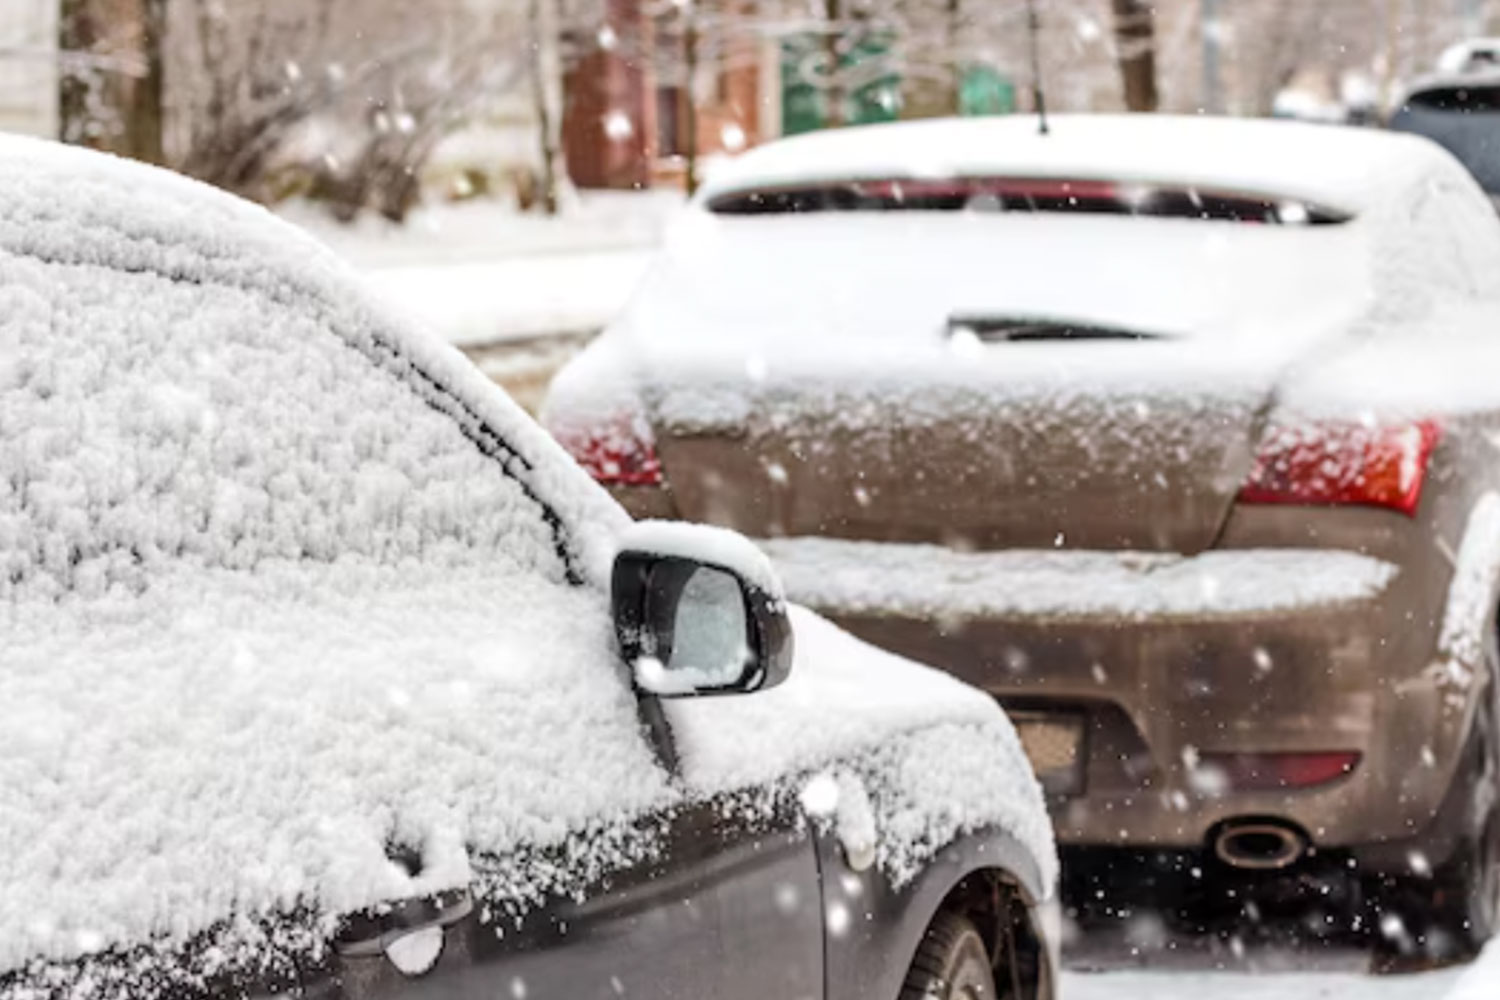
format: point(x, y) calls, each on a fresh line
point(1259, 845)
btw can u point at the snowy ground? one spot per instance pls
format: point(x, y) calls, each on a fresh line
point(480, 273)
point(519, 293)
point(1103, 966)
point(1300, 974)
point(1199, 985)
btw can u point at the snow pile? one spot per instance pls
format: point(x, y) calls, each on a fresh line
point(926, 581)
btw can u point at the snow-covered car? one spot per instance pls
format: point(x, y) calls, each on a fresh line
point(1176, 435)
point(313, 672)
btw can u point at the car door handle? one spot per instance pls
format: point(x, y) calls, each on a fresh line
point(367, 935)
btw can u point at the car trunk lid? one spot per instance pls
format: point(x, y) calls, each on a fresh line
point(1091, 442)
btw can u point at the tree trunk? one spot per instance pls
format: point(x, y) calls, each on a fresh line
point(957, 67)
point(541, 103)
point(76, 34)
point(110, 88)
point(689, 109)
point(833, 93)
point(142, 115)
point(1135, 41)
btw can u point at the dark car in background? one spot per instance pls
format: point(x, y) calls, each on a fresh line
point(1461, 113)
point(326, 673)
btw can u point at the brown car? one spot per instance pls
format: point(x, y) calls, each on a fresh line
point(1179, 436)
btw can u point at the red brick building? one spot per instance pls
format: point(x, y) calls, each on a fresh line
point(627, 118)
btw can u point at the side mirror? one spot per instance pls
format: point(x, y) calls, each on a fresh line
point(699, 610)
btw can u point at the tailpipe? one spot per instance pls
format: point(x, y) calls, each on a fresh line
point(1259, 845)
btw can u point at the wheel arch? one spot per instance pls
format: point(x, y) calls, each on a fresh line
point(873, 928)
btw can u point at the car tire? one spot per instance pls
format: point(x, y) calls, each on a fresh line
point(1453, 913)
point(951, 963)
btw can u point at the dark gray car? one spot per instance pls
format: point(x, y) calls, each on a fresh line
point(326, 673)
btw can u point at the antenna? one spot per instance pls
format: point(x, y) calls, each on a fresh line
point(1033, 29)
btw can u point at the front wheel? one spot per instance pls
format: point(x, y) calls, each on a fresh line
point(951, 963)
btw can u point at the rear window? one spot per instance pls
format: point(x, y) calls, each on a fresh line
point(1011, 194)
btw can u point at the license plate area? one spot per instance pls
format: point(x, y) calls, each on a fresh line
point(1054, 743)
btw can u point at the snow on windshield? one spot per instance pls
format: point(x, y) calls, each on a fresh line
point(150, 421)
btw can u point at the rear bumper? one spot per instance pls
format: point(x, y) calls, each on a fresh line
point(1171, 658)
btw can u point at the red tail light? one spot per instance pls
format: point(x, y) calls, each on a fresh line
point(1269, 771)
point(1344, 463)
point(622, 453)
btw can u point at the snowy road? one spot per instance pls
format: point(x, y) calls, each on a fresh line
point(1193, 968)
point(1199, 985)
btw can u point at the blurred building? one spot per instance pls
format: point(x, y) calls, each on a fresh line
point(650, 84)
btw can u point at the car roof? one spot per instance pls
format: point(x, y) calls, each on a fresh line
point(1341, 168)
point(1483, 77)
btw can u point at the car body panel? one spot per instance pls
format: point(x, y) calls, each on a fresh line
point(723, 898)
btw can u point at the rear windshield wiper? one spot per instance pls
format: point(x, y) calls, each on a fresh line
point(1006, 329)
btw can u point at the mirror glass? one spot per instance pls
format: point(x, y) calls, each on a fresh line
point(709, 647)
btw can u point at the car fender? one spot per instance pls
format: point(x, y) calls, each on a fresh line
point(872, 927)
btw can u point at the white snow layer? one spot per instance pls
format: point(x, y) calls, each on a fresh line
point(247, 742)
point(927, 581)
point(267, 612)
point(705, 543)
point(1340, 168)
point(1481, 980)
point(1471, 594)
point(937, 758)
point(854, 313)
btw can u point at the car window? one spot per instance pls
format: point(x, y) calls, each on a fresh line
point(1085, 196)
point(151, 421)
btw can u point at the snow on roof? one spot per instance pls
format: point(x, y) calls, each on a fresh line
point(1341, 168)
